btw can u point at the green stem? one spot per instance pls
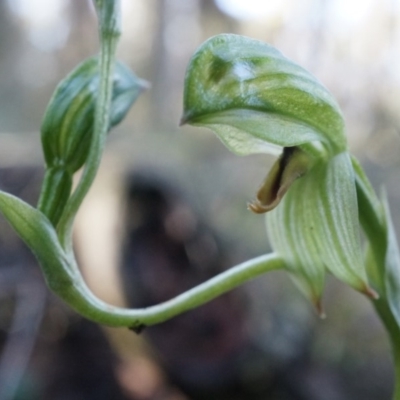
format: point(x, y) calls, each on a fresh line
point(393, 330)
point(79, 297)
point(396, 355)
point(64, 278)
point(109, 35)
point(375, 227)
point(395, 340)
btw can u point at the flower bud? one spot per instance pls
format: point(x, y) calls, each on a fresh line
point(68, 122)
point(68, 127)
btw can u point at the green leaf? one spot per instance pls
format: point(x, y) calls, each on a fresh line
point(68, 122)
point(316, 227)
point(39, 235)
point(255, 99)
point(392, 266)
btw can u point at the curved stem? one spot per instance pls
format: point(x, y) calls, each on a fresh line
point(79, 297)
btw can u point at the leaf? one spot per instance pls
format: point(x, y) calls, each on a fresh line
point(392, 266)
point(253, 98)
point(39, 235)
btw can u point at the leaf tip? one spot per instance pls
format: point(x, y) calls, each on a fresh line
point(258, 207)
point(371, 293)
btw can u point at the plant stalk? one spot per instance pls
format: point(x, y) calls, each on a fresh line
point(109, 31)
point(79, 297)
point(374, 225)
point(396, 356)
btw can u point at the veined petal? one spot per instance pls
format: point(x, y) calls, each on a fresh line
point(290, 229)
point(339, 232)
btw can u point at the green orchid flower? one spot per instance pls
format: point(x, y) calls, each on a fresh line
point(258, 101)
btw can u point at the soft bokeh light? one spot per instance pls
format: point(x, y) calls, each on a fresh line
point(251, 9)
point(44, 21)
point(350, 14)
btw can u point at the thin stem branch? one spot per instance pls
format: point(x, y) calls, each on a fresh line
point(79, 297)
point(109, 38)
point(396, 355)
point(393, 331)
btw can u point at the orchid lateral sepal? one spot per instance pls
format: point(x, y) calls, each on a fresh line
point(315, 228)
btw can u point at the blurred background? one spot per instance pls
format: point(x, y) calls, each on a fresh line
point(168, 210)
